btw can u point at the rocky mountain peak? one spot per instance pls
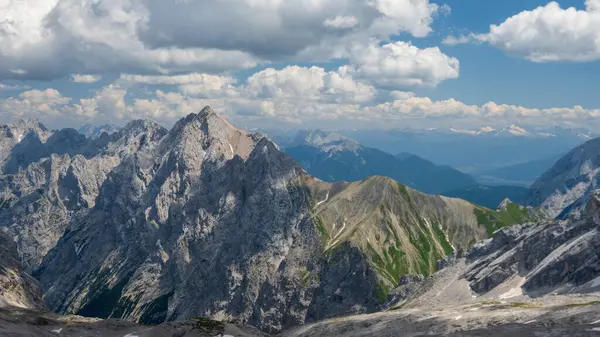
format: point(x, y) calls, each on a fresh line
point(140, 126)
point(19, 130)
point(137, 135)
point(504, 205)
point(209, 133)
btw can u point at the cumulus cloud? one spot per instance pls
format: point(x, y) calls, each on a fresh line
point(195, 84)
point(82, 78)
point(401, 95)
point(451, 110)
point(294, 95)
point(314, 84)
point(42, 39)
point(547, 33)
point(342, 22)
point(456, 40)
point(402, 64)
point(34, 103)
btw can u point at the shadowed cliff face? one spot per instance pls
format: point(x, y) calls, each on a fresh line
point(209, 220)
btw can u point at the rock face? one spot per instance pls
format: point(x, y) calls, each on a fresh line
point(209, 220)
point(564, 189)
point(557, 256)
point(13, 134)
point(47, 182)
point(332, 157)
point(17, 289)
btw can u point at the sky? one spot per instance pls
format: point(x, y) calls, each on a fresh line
point(358, 64)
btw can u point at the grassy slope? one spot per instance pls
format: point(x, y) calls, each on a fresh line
point(403, 231)
point(494, 220)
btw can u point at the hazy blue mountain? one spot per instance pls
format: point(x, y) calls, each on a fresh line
point(474, 151)
point(490, 196)
point(523, 174)
point(332, 157)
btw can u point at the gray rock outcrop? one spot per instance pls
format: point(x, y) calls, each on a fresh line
point(564, 189)
point(555, 256)
point(17, 289)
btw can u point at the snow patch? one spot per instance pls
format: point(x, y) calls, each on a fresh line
point(457, 318)
point(514, 292)
point(57, 331)
point(322, 201)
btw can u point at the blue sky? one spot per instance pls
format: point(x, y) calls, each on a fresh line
point(326, 62)
point(487, 74)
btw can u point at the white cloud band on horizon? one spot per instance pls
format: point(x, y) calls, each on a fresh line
point(290, 96)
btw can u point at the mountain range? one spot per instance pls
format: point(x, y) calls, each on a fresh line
point(207, 220)
point(128, 225)
point(476, 153)
point(332, 157)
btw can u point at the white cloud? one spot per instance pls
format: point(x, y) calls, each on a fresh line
point(401, 95)
point(34, 103)
point(341, 22)
point(6, 87)
point(293, 95)
point(82, 78)
point(42, 39)
point(549, 33)
point(191, 78)
point(456, 40)
point(49, 96)
point(402, 64)
point(314, 84)
point(413, 16)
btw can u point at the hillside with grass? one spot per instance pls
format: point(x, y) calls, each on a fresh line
point(401, 230)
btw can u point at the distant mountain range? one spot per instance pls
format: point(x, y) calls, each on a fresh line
point(333, 157)
point(523, 174)
point(476, 152)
